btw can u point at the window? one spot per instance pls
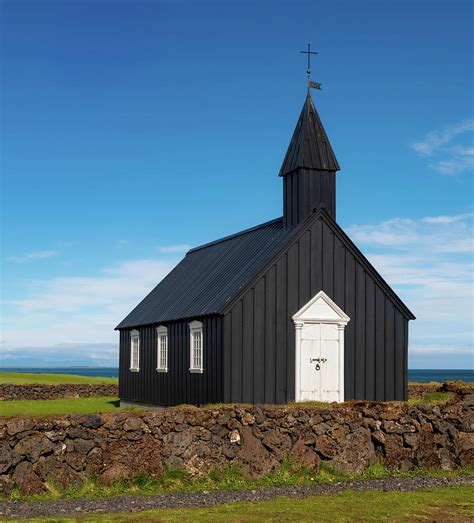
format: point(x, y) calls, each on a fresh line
point(162, 349)
point(196, 347)
point(135, 351)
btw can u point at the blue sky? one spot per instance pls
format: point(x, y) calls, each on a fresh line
point(134, 129)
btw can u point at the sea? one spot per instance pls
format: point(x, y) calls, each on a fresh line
point(419, 375)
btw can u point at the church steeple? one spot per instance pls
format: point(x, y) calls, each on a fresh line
point(309, 169)
point(309, 147)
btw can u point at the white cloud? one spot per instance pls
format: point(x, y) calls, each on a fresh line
point(65, 354)
point(436, 350)
point(462, 158)
point(121, 282)
point(79, 309)
point(31, 256)
point(449, 158)
point(447, 234)
point(436, 139)
point(444, 219)
point(429, 262)
point(174, 249)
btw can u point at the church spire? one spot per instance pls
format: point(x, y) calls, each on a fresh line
point(309, 146)
point(310, 165)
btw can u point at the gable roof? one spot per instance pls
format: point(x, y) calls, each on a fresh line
point(309, 146)
point(209, 276)
point(212, 277)
point(321, 214)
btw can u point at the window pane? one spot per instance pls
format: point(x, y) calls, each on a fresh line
point(163, 352)
point(197, 350)
point(134, 351)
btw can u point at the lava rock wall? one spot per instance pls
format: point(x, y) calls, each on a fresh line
point(52, 392)
point(347, 437)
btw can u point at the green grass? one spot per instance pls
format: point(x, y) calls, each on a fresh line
point(224, 478)
point(178, 480)
point(445, 504)
point(25, 378)
point(433, 398)
point(111, 404)
point(427, 383)
point(60, 406)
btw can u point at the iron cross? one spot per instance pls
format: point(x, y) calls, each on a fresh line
point(309, 53)
point(314, 85)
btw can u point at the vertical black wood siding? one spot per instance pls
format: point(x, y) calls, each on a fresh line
point(178, 385)
point(305, 189)
point(259, 347)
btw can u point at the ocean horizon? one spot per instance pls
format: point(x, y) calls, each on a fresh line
point(418, 375)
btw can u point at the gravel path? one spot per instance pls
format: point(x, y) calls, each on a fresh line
point(67, 507)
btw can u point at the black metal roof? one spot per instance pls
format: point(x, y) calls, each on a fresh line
point(209, 276)
point(309, 147)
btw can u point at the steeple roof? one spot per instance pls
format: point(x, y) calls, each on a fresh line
point(309, 147)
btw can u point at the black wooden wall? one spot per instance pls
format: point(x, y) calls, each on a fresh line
point(178, 385)
point(305, 189)
point(259, 334)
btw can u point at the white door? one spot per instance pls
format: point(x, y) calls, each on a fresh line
point(320, 362)
point(319, 372)
point(310, 351)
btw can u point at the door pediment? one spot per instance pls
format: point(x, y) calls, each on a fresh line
point(321, 308)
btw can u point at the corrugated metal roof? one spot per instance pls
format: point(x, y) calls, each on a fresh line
point(309, 147)
point(209, 276)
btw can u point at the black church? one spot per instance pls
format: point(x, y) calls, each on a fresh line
point(289, 310)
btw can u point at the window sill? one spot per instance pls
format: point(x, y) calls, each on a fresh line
point(196, 371)
point(161, 370)
point(134, 370)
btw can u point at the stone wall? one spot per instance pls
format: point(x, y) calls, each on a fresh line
point(51, 392)
point(421, 390)
point(348, 437)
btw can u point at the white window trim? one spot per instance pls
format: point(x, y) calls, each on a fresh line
point(161, 331)
point(195, 327)
point(134, 334)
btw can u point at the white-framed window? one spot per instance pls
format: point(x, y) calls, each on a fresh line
point(196, 343)
point(162, 349)
point(134, 351)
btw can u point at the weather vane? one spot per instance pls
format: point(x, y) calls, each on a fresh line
point(314, 85)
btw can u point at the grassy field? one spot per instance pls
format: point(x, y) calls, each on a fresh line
point(60, 406)
point(430, 398)
point(24, 378)
point(107, 404)
point(447, 504)
point(111, 404)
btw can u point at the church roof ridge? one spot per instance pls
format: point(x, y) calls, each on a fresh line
point(236, 234)
point(309, 146)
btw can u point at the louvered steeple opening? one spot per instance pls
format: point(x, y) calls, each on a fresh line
point(309, 169)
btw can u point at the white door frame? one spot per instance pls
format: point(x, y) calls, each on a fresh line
point(305, 316)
